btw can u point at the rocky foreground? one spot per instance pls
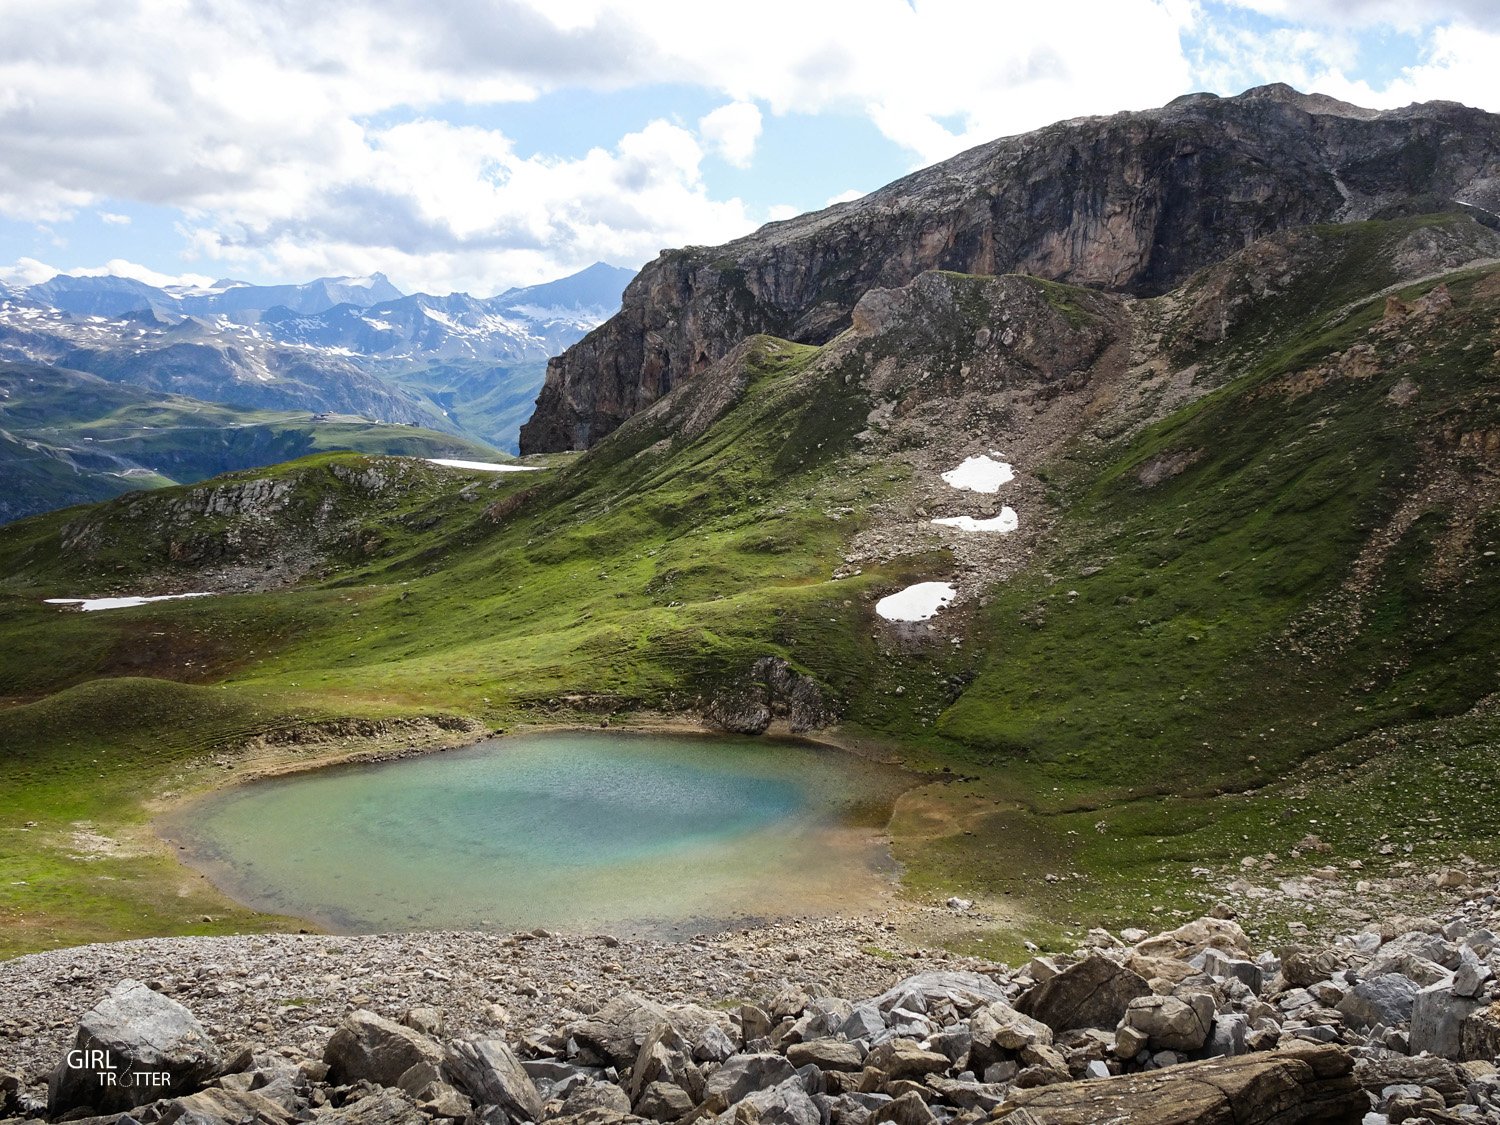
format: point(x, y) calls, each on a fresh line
point(802, 1024)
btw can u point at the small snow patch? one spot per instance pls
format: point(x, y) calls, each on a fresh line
point(916, 603)
point(484, 466)
point(979, 474)
point(89, 605)
point(1003, 524)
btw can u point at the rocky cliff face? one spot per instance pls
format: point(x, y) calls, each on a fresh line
point(1132, 203)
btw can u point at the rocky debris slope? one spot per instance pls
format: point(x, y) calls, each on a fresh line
point(1190, 1026)
point(1132, 203)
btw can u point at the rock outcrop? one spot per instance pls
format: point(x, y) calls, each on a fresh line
point(1133, 203)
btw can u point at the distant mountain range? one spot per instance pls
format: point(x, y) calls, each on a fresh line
point(353, 345)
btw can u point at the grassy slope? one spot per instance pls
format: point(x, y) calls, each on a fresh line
point(639, 582)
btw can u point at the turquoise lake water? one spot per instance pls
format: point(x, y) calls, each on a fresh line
point(637, 833)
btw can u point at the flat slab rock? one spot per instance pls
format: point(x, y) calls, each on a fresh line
point(1314, 1084)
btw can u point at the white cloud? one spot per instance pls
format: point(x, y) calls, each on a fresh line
point(846, 197)
point(1400, 14)
point(441, 206)
point(27, 271)
point(1457, 65)
point(113, 218)
point(302, 138)
point(293, 133)
point(732, 130)
point(779, 211)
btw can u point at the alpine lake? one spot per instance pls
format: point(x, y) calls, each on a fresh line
point(654, 835)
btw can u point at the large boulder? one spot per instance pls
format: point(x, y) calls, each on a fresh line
point(1172, 1023)
point(745, 1074)
point(784, 1104)
point(1309, 1084)
point(1480, 1039)
point(925, 991)
point(375, 1049)
point(1437, 1019)
point(489, 1072)
point(1193, 938)
point(826, 1054)
point(1385, 999)
point(133, 1047)
point(906, 1058)
point(616, 1031)
point(1092, 993)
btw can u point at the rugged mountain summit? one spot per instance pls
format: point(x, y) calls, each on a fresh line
point(1133, 203)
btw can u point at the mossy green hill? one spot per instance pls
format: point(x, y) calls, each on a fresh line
point(1255, 572)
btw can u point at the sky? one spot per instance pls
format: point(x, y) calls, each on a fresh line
point(476, 145)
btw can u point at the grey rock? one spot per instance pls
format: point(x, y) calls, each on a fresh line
point(908, 1109)
point(1092, 993)
point(591, 1095)
point(1172, 1023)
point(784, 1104)
point(617, 1030)
point(150, 1047)
point(906, 1058)
point(1229, 1036)
point(745, 1074)
point(1471, 976)
point(955, 1042)
point(490, 1073)
point(864, 1022)
point(1221, 966)
point(714, 1045)
point(370, 1047)
point(1437, 1020)
point(663, 1101)
point(1386, 999)
point(826, 1054)
point(964, 991)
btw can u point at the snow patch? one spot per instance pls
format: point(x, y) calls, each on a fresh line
point(979, 474)
point(88, 605)
point(1003, 524)
point(916, 603)
point(484, 466)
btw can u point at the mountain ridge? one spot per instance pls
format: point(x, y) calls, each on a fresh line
point(1133, 202)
